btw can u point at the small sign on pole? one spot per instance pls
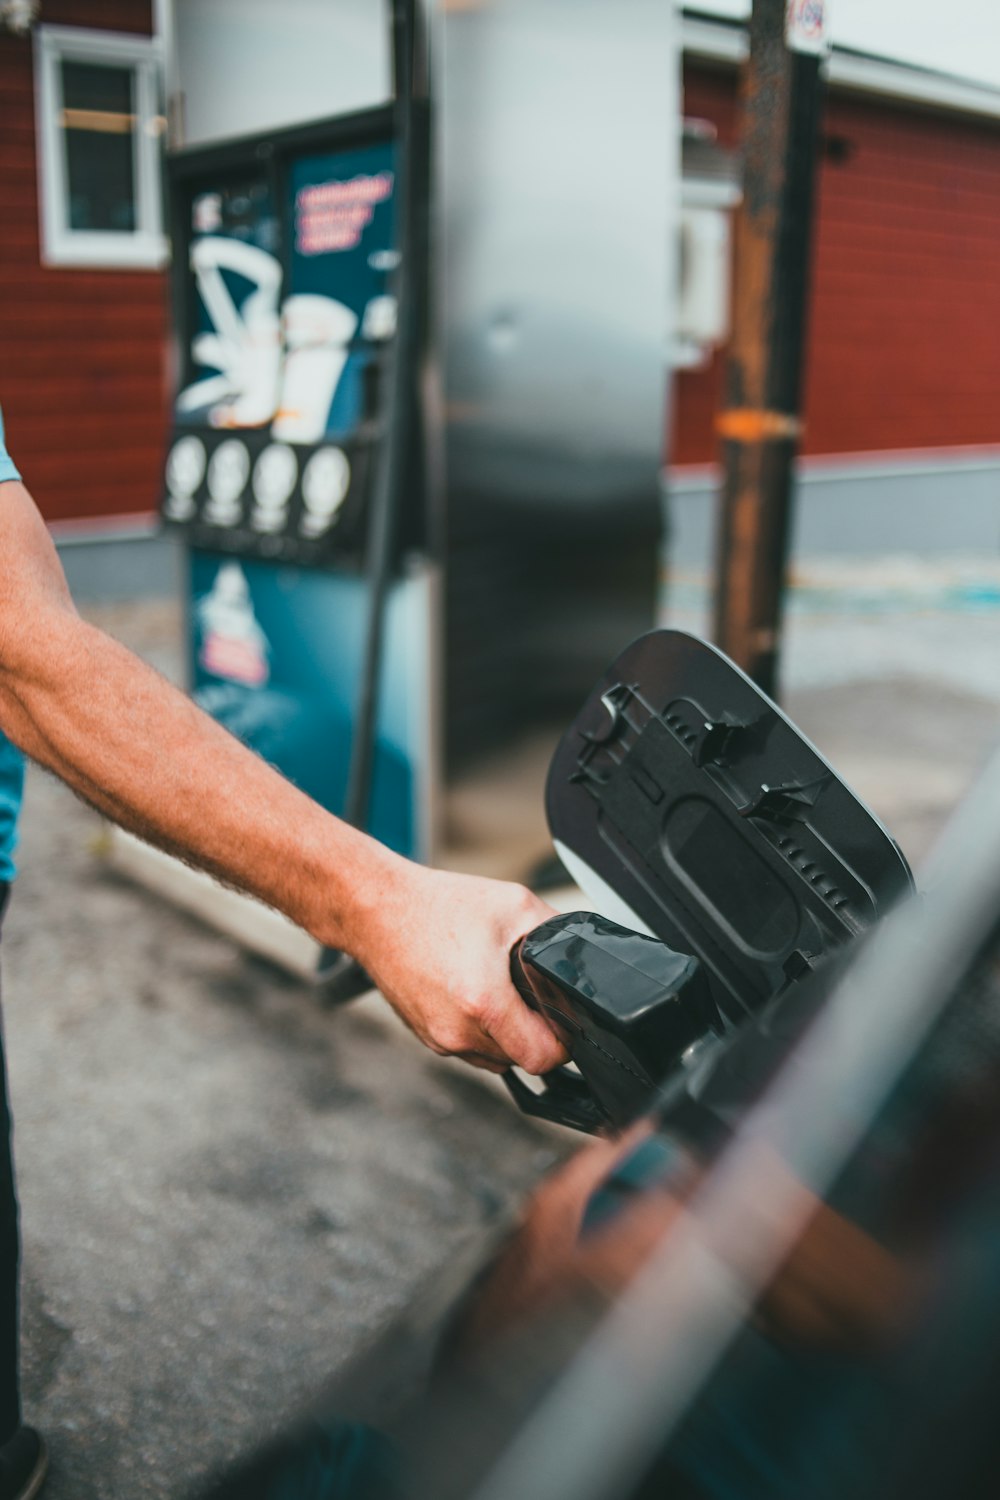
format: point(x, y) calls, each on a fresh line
point(806, 27)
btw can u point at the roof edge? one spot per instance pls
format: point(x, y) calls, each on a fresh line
point(723, 41)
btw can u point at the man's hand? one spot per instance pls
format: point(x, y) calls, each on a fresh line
point(438, 947)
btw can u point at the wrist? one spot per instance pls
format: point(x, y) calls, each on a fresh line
point(353, 882)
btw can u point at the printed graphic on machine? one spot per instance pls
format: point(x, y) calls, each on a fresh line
point(287, 315)
point(275, 656)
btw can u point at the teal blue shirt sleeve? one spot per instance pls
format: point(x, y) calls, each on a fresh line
point(11, 791)
point(11, 760)
point(8, 469)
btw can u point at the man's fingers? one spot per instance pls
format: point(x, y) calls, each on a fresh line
point(482, 1060)
point(524, 1037)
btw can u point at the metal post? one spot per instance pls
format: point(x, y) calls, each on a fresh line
point(400, 452)
point(760, 423)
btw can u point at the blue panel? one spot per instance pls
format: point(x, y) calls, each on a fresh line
point(275, 656)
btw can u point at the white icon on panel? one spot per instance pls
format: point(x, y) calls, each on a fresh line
point(318, 333)
point(185, 471)
point(274, 476)
point(325, 483)
point(384, 260)
point(206, 213)
point(228, 470)
point(232, 643)
point(379, 321)
point(244, 344)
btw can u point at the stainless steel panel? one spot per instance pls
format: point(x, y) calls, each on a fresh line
point(559, 158)
point(558, 192)
point(242, 66)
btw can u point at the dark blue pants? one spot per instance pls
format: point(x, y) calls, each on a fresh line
point(10, 1252)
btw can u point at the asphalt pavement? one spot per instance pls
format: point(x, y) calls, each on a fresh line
point(227, 1190)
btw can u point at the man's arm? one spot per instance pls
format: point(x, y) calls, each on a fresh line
point(75, 700)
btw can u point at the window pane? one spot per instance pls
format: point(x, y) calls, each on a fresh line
point(99, 123)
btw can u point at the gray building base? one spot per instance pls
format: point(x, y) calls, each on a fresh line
point(940, 506)
point(119, 566)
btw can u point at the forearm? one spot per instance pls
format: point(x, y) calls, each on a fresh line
point(142, 753)
point(436, 944)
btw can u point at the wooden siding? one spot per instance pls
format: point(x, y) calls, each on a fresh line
point(82, 366)
point(904, 326)
point(903, 348)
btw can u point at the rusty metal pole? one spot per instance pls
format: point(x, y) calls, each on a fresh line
point(760, 424)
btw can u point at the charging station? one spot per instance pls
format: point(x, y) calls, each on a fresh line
point(288, 265)
point(424, 266)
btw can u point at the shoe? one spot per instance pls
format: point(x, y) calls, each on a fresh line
point(24, 1463)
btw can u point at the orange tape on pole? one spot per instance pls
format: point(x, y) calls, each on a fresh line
point(748, 425)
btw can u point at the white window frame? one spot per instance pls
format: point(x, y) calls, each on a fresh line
point(146, 246)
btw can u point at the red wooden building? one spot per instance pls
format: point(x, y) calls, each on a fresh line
point(82, 325)
point(904, 354)
point(904, 351)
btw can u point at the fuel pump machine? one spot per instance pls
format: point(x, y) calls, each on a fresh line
point(423, 258)
point(286, 297)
